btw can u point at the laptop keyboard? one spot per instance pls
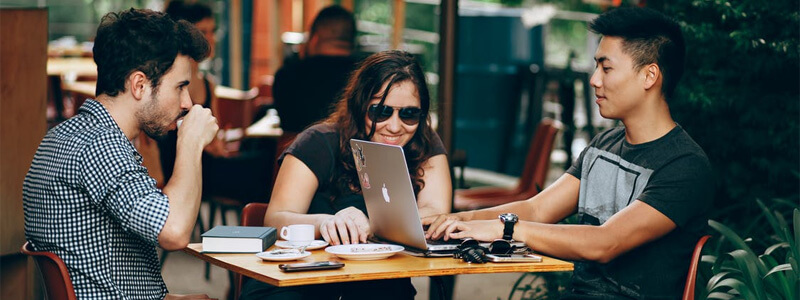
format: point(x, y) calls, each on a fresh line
point(443, 242)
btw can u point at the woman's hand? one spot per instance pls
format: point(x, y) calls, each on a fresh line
point(348, 226)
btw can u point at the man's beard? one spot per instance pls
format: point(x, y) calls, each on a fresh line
point(149, 118)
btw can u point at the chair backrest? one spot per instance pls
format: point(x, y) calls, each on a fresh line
point(688, 291)
point(151, 158)
point(54, 273)
point(537, 162)
point(234, 107)
point(252, 215)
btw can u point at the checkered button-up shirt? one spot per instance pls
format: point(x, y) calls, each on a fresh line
point(88, 199)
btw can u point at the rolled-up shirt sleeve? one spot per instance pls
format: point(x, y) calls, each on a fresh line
point(116, 181)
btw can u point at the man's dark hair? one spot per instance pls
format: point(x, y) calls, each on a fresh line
point(192, 12)
point(649, 37)
point(142, 40)
point(335, 23)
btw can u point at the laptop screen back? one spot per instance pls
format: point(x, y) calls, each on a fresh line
point(388, 193)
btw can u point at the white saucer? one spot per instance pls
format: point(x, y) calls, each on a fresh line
point(282, 255)
point(317, 244)
point(364, 251)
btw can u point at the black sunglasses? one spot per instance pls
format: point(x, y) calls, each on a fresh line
point(498, 246)
point(409, 115)
point(470, 250)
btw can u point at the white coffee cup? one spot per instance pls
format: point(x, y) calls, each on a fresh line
point(298, 235)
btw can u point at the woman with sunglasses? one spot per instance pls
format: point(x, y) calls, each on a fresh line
point(386, 100)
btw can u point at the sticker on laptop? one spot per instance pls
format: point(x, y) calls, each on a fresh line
point(358, 157)
point(365, 181)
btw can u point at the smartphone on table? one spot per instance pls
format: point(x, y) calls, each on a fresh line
point(513, 258)
point(317, 265)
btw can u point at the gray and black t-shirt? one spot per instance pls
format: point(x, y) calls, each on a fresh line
point(672, 174)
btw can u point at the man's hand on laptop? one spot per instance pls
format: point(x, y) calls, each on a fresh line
point(348, 226)
point(481, 230)
point(439, 223)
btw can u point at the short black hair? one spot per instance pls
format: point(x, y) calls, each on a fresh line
point(143, 40)
point(192, 12)
point(335, 23)
point(649, 37)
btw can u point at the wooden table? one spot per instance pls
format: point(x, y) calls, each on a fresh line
point(400, 265)
point(84, 88)
point(79, 66)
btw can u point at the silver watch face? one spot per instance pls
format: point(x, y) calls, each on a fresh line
point(509, 217)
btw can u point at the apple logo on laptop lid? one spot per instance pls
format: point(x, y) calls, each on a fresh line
point(385, 193)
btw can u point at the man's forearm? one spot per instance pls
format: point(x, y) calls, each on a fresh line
point(574, 242)
point(522, 208)
point(184, 191)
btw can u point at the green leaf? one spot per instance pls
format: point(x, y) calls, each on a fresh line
point(776, 246)
point(715, 280)
point(782, 284)
point(739, 286)
point(771, 219)
point(768, 260)
point(709, 259)
point(796, 244)
point(721, 296)
point(737, 243)
point(748, 263)
point(779, 268)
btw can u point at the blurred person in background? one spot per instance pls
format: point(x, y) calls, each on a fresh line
point(243, 176)
point(305, 90)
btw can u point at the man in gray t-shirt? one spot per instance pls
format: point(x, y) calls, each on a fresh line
point(641, 192)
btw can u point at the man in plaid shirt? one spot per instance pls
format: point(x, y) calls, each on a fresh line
point(87, 197)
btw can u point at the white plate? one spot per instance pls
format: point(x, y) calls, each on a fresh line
point(317, 244)
point(282, 255)
point(364, 251)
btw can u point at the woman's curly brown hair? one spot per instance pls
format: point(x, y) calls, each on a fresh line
point(394, 67)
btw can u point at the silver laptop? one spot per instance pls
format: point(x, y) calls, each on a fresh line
point(391, 201)
point(389, 196)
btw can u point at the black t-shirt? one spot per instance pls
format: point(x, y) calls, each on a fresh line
point(318, 148)
point(305, 90)
point(672, 174)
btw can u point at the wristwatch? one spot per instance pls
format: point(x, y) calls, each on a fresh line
point(509, 220)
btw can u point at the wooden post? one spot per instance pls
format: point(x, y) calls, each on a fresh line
point(235, 43)
point(265, 40)
point(399, 13)
point(23, 103)
point(448, 22)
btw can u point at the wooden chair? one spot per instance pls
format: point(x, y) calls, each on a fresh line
point(57, 283)
point(688, 291)
point(537, 164)
point(233, 112)
point(252, 215)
